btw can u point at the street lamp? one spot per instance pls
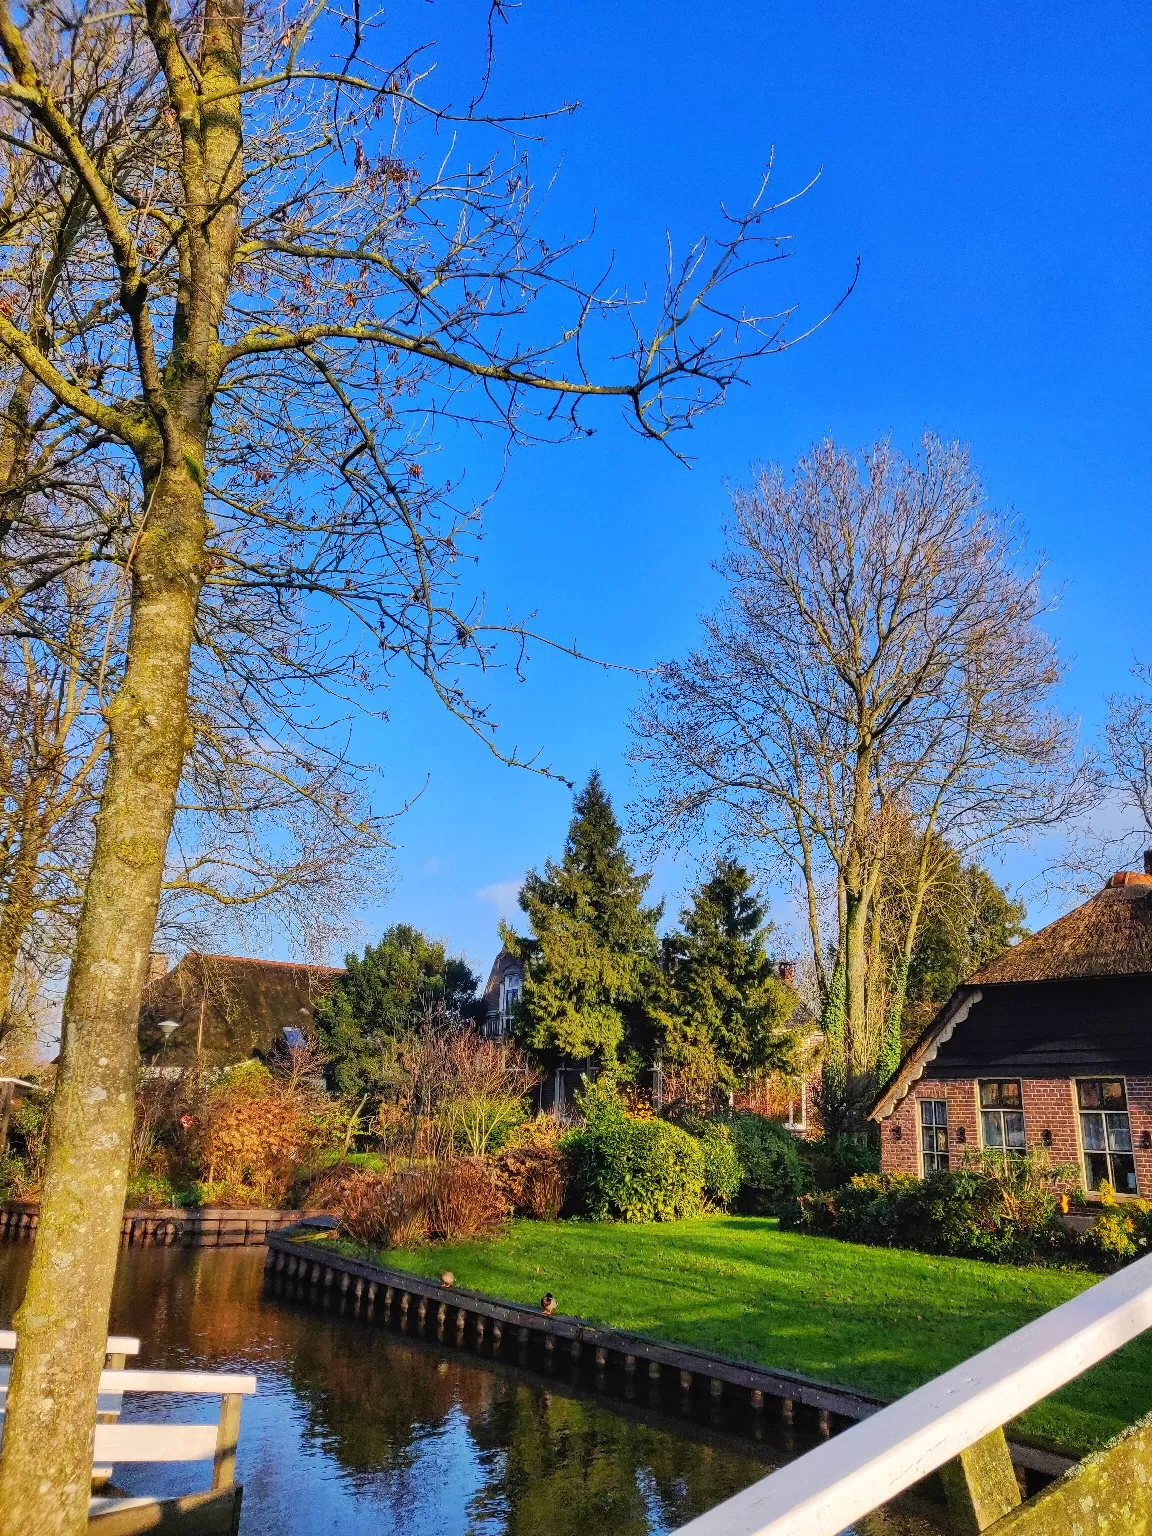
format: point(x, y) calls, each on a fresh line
point(167, 1028)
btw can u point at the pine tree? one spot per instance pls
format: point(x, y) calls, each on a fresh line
point(591, 963)
point(726, 1012)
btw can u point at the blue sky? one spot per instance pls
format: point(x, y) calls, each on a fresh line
point(988, 166)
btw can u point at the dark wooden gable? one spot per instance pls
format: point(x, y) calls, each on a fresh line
point(1065, 1028)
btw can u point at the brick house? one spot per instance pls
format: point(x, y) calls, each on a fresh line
point(1048, 1046)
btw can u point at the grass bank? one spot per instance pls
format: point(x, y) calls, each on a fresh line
point(880, 1319)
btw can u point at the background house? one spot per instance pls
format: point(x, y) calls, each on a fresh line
point(1046, 1047)
point(502, 993)
point(228, 1007)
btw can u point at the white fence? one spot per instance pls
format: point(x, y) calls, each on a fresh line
point(859, 1470)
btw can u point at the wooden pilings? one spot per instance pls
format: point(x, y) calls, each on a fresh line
point(411, 1302)
point(166, 1227)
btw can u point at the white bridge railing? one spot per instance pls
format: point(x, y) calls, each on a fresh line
point(859, 1470)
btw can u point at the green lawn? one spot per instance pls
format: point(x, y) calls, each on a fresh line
point(875, 1318)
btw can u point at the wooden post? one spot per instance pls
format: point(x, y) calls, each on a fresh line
point(630, 1365)
point(825, 1423)
point(497, 1335)
point(227, 1438)
point(601, 1358)
point(479, 1329)
point(685, 1381)
point(461, 1321)
point(653, 1370)
point(757, 1398)
point(980, 1485)
point(716, 1387)
point(786, 1409)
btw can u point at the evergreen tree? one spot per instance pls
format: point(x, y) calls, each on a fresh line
point(383, 995)
point(591, 962)
point(971, 921)
point(726, 1012)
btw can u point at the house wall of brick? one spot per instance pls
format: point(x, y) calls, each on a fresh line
point(1049, 1105)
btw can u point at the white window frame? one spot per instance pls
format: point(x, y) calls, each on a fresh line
point(1114, 1077)
point(922, 1127)
point(981, 1111)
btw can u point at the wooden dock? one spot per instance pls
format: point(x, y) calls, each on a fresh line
point(454, 1313)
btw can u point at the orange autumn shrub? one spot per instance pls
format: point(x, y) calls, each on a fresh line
point(404, 1207)
point(533, 1168)
point(255, 1136)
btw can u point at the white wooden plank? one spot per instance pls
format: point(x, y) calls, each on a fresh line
point(206, 1383)
point(116, 1344)
point(155, 1442)
point(857, 1471)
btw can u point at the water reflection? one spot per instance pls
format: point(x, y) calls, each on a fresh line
point(358, 1429)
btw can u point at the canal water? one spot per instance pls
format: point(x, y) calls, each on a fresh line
point(357, 1428)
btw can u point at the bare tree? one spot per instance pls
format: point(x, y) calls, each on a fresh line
point(52, 740)
point(1094, 851)
point(284, 304)
point(878, 658)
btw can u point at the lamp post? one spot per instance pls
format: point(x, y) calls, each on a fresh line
point(167, 1028)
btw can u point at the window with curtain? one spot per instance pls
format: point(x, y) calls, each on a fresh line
point(934, 1135)
point(1106, 1134)
point(1002, 1115)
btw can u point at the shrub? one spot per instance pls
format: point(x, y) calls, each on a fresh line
point(405, 1207)
point(772, 1170)
point(464, 1199)
point(534, 1180)
point(989, 1208)
point(636, 1169)
point(384, 1210)
point(481, 1122)
point(723, 1172)
point(836, 1160)
point(150, 1189)
point(253, 1136)
point(13, 1177)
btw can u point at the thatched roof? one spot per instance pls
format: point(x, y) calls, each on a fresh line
point(232, 1006)
point(1110, 935)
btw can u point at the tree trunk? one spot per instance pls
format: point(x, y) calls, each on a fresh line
point(892, 1045)
point(46, 1461)
point(855, 973)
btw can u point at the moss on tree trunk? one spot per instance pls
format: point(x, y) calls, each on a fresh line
point(62, 1324)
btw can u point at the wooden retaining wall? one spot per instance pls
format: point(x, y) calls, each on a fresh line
point(383, 1295)
point(166, 1226)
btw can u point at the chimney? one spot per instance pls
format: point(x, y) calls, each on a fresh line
point(157, 965)
point(784, 972)
point(1148, 861)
